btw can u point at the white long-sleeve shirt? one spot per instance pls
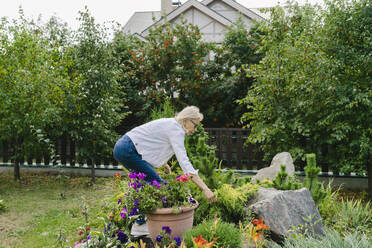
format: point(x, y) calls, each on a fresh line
point(157, 141)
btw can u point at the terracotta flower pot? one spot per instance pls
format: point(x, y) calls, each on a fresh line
point(179, 220)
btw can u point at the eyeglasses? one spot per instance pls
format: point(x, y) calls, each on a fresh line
point(195, 125)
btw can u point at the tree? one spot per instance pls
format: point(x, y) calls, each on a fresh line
point(313, 90)
point(239, 48)
point(30, 89)
point(97, 102)
point(170, 63)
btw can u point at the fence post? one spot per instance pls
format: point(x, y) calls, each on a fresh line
point(228, 147)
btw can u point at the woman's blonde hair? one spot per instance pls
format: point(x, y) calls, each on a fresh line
point(190, 112)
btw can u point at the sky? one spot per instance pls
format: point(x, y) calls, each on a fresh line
point(102, 10)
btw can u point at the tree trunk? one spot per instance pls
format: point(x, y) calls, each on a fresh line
point(93, 174)
point(17, 174)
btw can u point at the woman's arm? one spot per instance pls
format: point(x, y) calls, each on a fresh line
point(200, 183)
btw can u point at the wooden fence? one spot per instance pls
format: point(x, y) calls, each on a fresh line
point(232, 150)
point(229, 143)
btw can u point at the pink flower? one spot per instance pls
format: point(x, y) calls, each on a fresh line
point(80, 232)
point(183, 178)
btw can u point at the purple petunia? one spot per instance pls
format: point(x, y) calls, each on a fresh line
point(133, 185)
point(134, 211)
point(156, 183)
point(178, 241)
point(122, 237)
point(167, 229)
point(192, 200)
point(141, 175)
point(124, 213)
point(159, 238)
point(132, 175)
point(119, 201)
point(163, 200)
point(135, 203)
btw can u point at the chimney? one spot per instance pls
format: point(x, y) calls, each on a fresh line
point(168, 6)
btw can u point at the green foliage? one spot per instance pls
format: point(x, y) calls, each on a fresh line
point(351, 216)
point(313, 86)
point(228, 235)
point(285, 182)
point(239, 47)
point(166, 110)
point(203, 157)
point(169, 63)
point(328, 206)
point(331, 239)
point(311, 179)
point(231, 203)
point(32, 79)
point(95, 108)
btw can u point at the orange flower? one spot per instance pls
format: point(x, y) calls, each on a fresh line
point(259, 224)
point(256, 236)
point(117, 175)
point(202, 243)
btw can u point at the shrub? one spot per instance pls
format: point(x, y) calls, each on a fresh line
point(313, 85)
point(228, 235)
point(352, 215)
point(311, 179)
point(285, 182)
point(331, 239)
point(231, 203)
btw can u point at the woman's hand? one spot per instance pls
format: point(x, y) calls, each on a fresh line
point(200, 183)
point(209, 195)
point(167, 169)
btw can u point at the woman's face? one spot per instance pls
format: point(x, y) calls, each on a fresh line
point(191, 125)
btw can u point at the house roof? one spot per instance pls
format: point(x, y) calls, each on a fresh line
point(191, 4)
point(141, 20)
point(237, 7)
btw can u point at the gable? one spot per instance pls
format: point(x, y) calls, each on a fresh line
point(229, 12)
point(213, 17)
point(236, 6)
point(194, 12)
point(211, 30)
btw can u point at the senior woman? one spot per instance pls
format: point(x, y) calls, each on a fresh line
point(152, 144)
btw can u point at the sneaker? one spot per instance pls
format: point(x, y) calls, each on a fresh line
point(139, 230)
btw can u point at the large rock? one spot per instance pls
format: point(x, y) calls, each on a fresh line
point(271, 172)
point(283, 210)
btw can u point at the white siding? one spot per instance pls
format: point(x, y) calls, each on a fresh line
point(230, 13)
point(212, 31)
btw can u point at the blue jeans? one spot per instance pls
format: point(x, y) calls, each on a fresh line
point(125, 152)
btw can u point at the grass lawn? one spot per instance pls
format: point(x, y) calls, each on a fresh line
point(36, 213)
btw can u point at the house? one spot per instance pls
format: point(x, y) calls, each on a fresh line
point(213, 17)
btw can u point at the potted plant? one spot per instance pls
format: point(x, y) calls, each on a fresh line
point(168, 203)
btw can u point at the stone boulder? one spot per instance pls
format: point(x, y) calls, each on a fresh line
point(283, 210)
point(271, 172)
